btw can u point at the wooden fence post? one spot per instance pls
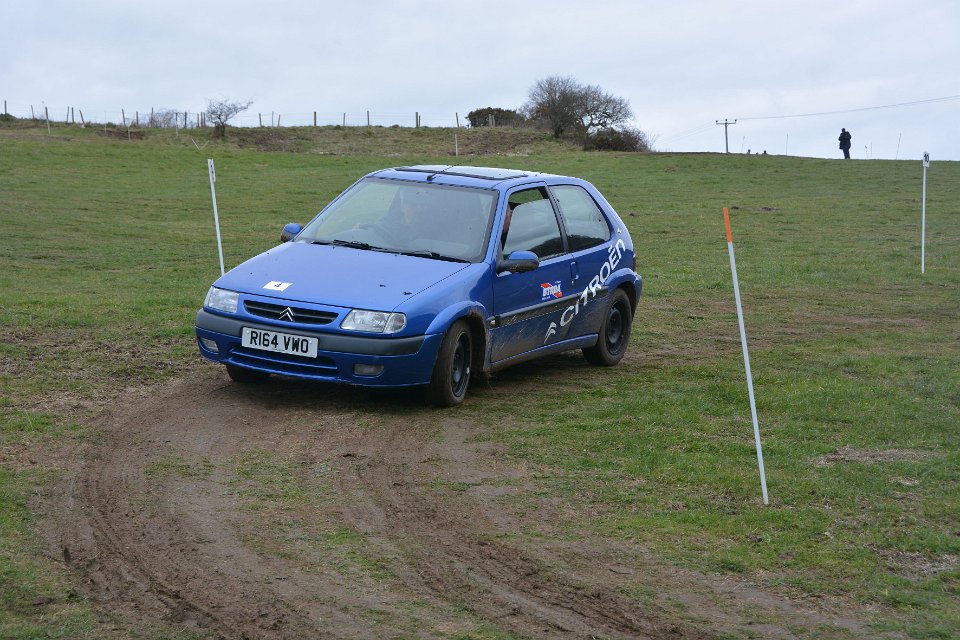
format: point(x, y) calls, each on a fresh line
point(314, 118)
point(368, 117)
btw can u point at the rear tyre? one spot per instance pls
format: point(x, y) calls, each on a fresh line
point(246, 376)
point(614, 332)
point(451, 373)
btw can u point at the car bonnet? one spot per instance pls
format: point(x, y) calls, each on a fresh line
point(337, 276)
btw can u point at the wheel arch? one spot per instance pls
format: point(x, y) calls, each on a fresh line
point(632, 286)
point(631, 296)
point(476, 320)
point(480, 334)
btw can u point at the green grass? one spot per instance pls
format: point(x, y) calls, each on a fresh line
point(852, 350)
point(36, 600)
point(108, 248)
point(180, 466)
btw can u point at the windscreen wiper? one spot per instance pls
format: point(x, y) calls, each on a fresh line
point(425, 253)
point(353, 244)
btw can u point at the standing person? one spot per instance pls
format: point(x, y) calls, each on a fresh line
point(845, 143)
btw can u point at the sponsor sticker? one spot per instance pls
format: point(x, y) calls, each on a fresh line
point(274, 285)
point(551, 290)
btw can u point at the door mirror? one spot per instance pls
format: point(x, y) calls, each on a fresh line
point(290, 230)
point(519, 262)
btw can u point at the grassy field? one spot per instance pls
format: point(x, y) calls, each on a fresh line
point(108, 248)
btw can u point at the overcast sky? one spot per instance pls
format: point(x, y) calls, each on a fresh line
point(683, 65)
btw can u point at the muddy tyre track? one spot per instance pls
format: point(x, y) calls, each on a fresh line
point(155, 547)
point(459, 544)
point(167, 523)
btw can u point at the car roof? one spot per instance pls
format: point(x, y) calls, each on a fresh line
point(488, 177)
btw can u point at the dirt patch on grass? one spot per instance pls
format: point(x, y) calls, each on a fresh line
point(291, 510)
point(917, 566)
point(850, 454)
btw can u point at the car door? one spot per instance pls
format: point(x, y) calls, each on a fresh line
point(593, 255)
point(525, 302)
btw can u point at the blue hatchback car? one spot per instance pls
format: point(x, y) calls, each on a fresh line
point(424, 275)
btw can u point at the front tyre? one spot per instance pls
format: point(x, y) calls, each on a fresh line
point(451, 373)
point(614, 332)
point(246, 376)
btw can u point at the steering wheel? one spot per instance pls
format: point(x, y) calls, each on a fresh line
point(378, 229)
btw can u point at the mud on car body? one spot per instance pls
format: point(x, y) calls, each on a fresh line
point(425, 275)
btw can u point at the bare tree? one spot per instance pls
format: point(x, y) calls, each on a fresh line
point(552, 103)
point(602, 110)
point(565, 106)
point(220, 112)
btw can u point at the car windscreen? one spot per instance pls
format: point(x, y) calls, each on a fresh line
point(438, 221)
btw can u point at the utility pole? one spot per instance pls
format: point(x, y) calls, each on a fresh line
point(726, 139)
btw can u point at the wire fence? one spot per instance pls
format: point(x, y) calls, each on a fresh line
point(186, 119)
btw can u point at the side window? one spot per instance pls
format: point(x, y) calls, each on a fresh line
point(586, 225)
point(531, 225)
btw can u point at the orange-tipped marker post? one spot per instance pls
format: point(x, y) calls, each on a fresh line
point(726, 223)
point(746, 356)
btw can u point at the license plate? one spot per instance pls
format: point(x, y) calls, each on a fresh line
point(279, 342)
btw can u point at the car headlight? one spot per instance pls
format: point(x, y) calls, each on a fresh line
point(374, 321)
point(222, 300)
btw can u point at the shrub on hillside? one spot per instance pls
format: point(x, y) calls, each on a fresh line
point(494, 117)
point(617, 139)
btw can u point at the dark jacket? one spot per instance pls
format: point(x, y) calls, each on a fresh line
point(845, 139)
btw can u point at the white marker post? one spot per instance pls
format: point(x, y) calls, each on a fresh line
point(216, 217)
point(923, 216)
point(746, 356)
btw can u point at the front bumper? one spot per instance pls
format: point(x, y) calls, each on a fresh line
point(405, 361)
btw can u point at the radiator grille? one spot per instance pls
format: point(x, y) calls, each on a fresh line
point(288, 314)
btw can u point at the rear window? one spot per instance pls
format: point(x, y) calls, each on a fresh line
point(586, 225)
